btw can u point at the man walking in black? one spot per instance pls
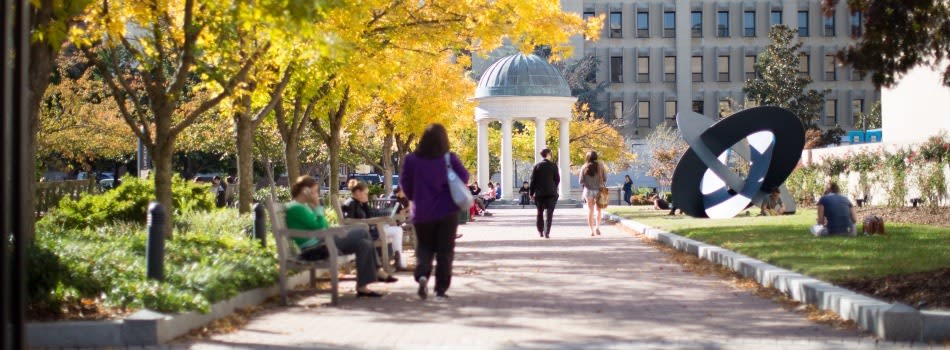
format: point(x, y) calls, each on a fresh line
point(543, 189)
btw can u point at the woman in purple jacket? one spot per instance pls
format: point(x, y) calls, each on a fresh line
point(433, 212)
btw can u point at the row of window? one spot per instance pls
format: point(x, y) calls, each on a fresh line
point(723, 64)
point(670, 107)
point(615, 23)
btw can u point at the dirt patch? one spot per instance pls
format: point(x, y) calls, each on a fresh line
point(922, 290)
point(907, 215)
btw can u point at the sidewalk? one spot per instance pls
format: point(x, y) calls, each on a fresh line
point(514, 290)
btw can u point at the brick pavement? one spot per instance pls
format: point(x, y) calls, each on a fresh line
point(514, 290)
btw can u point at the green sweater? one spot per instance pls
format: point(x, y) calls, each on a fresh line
point(300, 216)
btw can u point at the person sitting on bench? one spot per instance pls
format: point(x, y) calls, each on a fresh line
point(304, 212)
point(357, 207)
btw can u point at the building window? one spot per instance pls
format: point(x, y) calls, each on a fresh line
point(775, 17)
point(616, 69)
point(857, 107)
point(748, 63)
point(802, 24)
point(831, 112)
point(699, 107)
point(587, 16)
point(855, 76)
point(722, 24)
point(643, 24)
point(643, 114)
point(722, 66)
point(671, 112)
point(616, 25)
point(669, 68)
point(748, 23)
point(829, 24)
point(618, 110)
point(643, 69)
point(857, 18)
point(669, 24)
point(696, 23)
point(697, 68)
point(804, 66)
point(830, 68)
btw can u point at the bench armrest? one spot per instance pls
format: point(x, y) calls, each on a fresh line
point(370, 221)
point(335, 231)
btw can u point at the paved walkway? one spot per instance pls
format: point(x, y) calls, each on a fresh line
point(513, 290)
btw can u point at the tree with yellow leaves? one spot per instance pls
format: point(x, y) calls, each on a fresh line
point(159, 58)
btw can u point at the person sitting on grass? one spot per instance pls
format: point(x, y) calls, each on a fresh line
point(660, 203)
point(835, 212)
point(304, 212)
point(357, 207)
point(772, 205)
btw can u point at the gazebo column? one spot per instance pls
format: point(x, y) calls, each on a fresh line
point(564, 159)
point(483, 160)
point(539, 133)
point(507, 166)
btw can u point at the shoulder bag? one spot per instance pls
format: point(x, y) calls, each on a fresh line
point(460, 194)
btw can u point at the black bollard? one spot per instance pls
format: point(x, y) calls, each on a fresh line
point(259, 224)
point(155, 249)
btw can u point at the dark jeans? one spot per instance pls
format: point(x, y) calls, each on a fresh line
point(357, 241)
point(436, 238)
point(545, 208)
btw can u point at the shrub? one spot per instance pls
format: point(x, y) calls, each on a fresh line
point(263, 194)
point(210, 258)
point(127, 203)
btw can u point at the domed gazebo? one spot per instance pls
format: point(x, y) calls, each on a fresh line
point(522, 87)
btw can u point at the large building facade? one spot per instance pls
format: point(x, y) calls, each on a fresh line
point(662, 56)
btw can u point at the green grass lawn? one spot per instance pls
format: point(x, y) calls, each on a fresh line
point(785, 241)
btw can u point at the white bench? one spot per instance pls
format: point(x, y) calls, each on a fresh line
point(287, 254)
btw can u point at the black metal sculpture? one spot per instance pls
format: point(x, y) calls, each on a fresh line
point(771, 139)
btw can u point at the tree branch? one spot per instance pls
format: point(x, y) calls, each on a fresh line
point(187, 50)
point(275, 97)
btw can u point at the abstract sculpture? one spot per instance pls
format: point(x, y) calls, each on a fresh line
point(770, 139)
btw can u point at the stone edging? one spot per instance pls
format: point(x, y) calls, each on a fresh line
point(896, 321)
point(144, 327)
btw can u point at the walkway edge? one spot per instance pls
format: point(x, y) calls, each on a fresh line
point(144, 327)
point(896, 322)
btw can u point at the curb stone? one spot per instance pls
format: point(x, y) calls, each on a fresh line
point(144, 327)
point(889, 321)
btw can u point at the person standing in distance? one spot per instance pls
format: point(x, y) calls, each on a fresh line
point(435, 215)
point(543, 189)
point(593, 177)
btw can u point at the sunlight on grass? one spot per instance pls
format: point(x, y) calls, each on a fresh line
point(784, 241)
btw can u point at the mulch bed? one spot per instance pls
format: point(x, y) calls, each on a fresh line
point(922, 290)
point(908, 215)
point(925, 290)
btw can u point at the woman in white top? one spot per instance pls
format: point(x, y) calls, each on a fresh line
point(592, 177)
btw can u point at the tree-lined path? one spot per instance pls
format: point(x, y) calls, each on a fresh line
point(513, 290)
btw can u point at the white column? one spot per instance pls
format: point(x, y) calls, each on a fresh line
point(684, 54)
point(539, 134)
point(564, 159)
point(483, 160)
point(507, 167)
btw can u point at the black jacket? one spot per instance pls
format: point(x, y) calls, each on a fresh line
point(544, 179)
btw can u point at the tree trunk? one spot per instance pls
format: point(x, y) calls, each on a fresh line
point(291, 161)
point(388, 163)
point(334, 148)
point(162, 155)
point(42, 57)
point(244, 128)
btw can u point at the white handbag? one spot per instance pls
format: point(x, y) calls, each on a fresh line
point(461, 195)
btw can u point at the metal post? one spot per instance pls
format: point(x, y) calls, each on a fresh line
point(259, 224)
point(155, 250)
point(16, 169)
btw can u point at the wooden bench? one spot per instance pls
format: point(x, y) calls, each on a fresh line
point(288, 257)
point(380, 222)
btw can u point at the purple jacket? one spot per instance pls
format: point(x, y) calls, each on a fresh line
point(426, 184)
